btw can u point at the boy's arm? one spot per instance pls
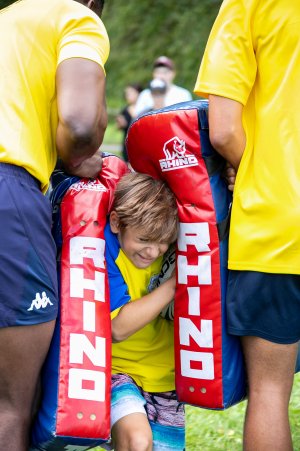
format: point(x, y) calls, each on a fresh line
point(133, 316)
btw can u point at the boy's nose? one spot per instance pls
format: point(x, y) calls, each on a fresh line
point(153, 251)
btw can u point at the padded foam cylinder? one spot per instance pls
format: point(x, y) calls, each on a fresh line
point(173, 144)
point(75, 409)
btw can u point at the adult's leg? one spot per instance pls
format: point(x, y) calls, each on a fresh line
point(23, 350)
point(270, 371)
point(132, 433)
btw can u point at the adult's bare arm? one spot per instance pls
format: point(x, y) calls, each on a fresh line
point(226, 129)
point(82, 116)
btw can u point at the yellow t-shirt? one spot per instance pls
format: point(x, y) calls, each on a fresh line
point(148, 355)
point(253, 57)
point(35, 36)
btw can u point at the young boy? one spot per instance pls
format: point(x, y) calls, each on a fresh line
point(142, 225)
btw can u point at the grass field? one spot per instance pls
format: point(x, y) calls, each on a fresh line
point(222, 431)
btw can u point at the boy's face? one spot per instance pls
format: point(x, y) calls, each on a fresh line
point(141, 252)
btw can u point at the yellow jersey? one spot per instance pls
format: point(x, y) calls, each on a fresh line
point(35, 37)
point(253, 57)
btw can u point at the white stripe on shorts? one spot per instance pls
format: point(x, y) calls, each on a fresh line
point(126, 407)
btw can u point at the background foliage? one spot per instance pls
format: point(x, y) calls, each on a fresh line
point(142, 30)
point(4, 3)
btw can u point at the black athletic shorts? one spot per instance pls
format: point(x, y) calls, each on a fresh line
point(28, 274)
point(264, 305)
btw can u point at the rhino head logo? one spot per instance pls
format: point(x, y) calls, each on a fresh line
point(173, 148)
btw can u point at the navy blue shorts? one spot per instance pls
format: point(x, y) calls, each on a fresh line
point(28, 275)
point(264, 305)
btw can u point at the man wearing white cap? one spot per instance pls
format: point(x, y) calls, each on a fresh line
point(163, 69)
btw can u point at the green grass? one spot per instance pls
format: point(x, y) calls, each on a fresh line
point(208, 430)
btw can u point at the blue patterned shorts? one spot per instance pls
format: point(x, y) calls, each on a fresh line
point(164, 412)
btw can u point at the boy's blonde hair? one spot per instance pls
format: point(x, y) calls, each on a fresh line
point(147, 204)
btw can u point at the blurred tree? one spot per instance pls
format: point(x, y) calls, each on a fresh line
point(142, 30)
point(4, 3)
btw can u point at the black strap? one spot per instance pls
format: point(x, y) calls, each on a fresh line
point(215, 164)
point(223, 226)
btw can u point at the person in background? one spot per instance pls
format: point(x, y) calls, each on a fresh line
point(52, 103)
point(251, 74)
point(145, 413)
point(128, 113)
point(158, 89)
point(163, 69)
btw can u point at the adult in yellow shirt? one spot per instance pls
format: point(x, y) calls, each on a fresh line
point(251, 74)
point(52, 90)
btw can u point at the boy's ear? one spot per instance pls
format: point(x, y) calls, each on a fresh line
point(114, 222)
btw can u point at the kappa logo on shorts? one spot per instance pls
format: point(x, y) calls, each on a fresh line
point(176, 158)
point(40, 301)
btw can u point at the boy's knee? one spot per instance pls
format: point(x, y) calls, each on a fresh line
point(134, 440)
point(140, 442)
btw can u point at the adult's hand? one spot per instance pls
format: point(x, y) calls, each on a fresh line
point(230, 176)
point(89, 168)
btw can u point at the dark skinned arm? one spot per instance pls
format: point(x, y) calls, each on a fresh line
point(80, 85)
point(226, 128)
